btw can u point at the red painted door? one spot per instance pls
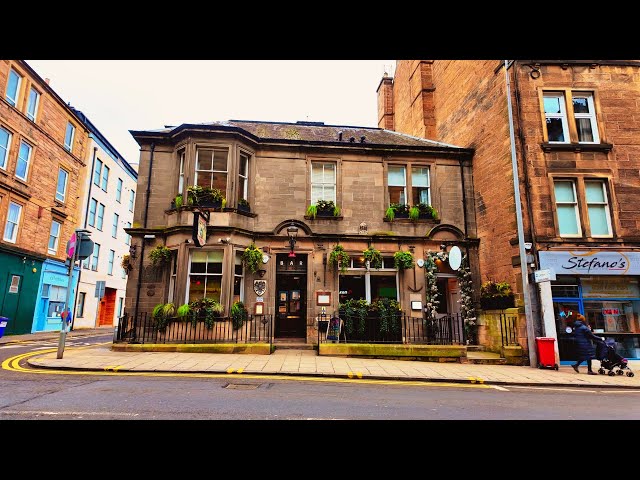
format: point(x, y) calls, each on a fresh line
point(107, 307)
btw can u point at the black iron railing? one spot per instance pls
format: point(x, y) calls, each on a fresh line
point(508, 329)
point(400, 329)
point(144, 329)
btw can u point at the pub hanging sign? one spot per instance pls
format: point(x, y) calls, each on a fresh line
point(199, 234)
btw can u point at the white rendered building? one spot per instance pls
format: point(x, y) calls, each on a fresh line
point(107, 209)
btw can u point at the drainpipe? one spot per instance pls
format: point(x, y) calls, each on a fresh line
point(533, 360)
point(146, 212)
point(86, 219)
point(464, 206)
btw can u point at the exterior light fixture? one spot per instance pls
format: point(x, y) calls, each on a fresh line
point(292, 232)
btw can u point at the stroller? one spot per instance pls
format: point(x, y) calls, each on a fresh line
point(610, 360)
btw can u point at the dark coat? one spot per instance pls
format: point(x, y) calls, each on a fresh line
point(583, 336)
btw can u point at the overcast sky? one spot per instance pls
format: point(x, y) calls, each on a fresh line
point(122, 95)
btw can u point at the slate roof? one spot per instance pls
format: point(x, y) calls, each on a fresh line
point(307, 132)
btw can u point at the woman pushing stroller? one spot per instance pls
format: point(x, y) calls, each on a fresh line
point(584, 348)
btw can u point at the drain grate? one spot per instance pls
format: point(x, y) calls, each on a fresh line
point(241, 386)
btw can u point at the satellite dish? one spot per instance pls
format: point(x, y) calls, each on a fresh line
point(455, 258)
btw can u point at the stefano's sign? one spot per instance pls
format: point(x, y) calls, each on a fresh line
point(591, 262)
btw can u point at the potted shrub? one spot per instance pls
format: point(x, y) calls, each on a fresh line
point(205, 197)
point(177, 202)
point(162, 314)
point(496, 296)
point(206, 309)
point(160, 256)
point(403, 260)
point(373, 256)
point(397, 210)
point(426, 211)
point(323, 208)
point(252, 258)
point(243, 205)
point(339, 257)
point(239, 314)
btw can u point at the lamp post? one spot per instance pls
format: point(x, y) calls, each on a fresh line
point(292, 232)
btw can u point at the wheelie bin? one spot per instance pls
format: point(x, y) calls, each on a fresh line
point(3, 325)
point(546, 352)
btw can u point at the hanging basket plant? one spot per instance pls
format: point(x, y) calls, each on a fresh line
point(403, 260)
point(252, 258)
point(160, 256)
point(126, 262)
point(339, 257)
point(373, 256)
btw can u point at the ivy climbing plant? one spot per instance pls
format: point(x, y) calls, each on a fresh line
point(467, 309)
point(430, 270)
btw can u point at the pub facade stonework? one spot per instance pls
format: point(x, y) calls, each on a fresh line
point(269, 173)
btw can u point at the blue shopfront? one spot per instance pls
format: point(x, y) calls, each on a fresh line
point(52, 295)
point(604, 287)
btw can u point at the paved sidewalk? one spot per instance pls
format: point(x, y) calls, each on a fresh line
point(308, 363)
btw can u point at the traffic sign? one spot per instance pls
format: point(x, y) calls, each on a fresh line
point(71, 245)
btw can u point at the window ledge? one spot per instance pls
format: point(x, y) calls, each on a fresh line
point(59, 212)
point(577, 147)
point(171, 211)
point(408, 220)
point(318, 217)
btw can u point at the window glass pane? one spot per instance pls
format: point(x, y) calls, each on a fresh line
point(420, 177)
point(97, 172)
point(358, 262)
point(204, 179)
point(329, 173)
point(565, 286)
point(214, 261)
point(22, 166)
point(567, 220)
point(33, 103)
point(4, 147)
point(329, 193)
point(316, 173)
point(80, 307)
point(585, 134)
point(119, 190)
point(105, 178)
point(196, 287)
point(12, 88)
point(580, 105)
point(243, 165)
point(316, 193)
point(420, 195)
point(595, 192)
point(564, 192)
point(68, 138)
point(396, 195)
point(220, 160)
point(62, 185)
point(554, 130)
point(204, 159)
point(551, 104)
point(396, 176)
point(351, 287)
point(219, 182)
point(598, 220)
point(214, 287)
point(383, 286)
point(199, 262)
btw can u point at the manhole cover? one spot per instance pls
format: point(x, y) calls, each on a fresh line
point(241, 386)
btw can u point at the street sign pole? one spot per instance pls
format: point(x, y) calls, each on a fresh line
point(73, 251)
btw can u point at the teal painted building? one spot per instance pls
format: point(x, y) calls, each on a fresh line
point(20, 277)
point(52, 295)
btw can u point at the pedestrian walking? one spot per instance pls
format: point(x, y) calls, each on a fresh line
point(584, 348)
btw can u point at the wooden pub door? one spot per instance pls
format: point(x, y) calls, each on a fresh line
point(291, 296)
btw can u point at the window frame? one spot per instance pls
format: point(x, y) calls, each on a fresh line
point(80, 305)
point(110, 261)
point(13, 101)
point(64, 189)
point(28, 114)
point(92, 212)
point(4, 162)
point(114, 225)
point(575, 203)
point(54, 250)
point(563, 115)
point(606, 204)
point(226, 172)
point(368, 272)
point(245, 191)
point(27, 161)
point(428, 186)
point(14, 237)
point(128, 239)
point(69, 146)
point(100, 218)
point(404, 186)
point(119, 186)
point(182, 155)
point(95, 257)
point(570, 128)
point(132, 199)
point(97, 172)
point(221, 275)
point(323, 183)
point(104, 183)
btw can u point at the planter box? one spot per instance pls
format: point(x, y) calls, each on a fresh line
point(497, 303)
point(209, 204)
point(244, 208)
point(324, 213)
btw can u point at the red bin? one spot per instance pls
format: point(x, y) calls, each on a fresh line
point(546, 352)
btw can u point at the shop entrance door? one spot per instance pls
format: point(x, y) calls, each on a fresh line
point(565, 313)
point(291, 295)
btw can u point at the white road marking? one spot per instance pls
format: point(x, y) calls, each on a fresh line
point(498, 387)
point(39, 412)
point(554, 388)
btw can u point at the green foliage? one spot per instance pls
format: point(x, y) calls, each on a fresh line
point(351, 310)
point(178, 201)
point(390, 214)
point(403, 260)
point(493, 289)
point(183, 311)
point(389, 312)
point(243, 203)
point(252, 257)
point(160, 256)
point(312, 211)
point(414, 213)
point(239, 314)
point(197, 195)
point(400, 208)
point(339, 256)
point(206, 309)
point(373, 256)
point(323, 206)
point(426, 211)
point(162, 314)
point(382, 233)
point(126, 262)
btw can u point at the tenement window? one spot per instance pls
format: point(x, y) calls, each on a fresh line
point(13, 87)
point(205, 275)
point(323, 182)
point(593, 210)
point(68, 136)
point(570, 117)
point(211, 168)
point(61, 188)
point(54, 237)
point(5, 145)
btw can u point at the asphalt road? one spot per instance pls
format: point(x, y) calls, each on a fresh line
point(91, 396)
